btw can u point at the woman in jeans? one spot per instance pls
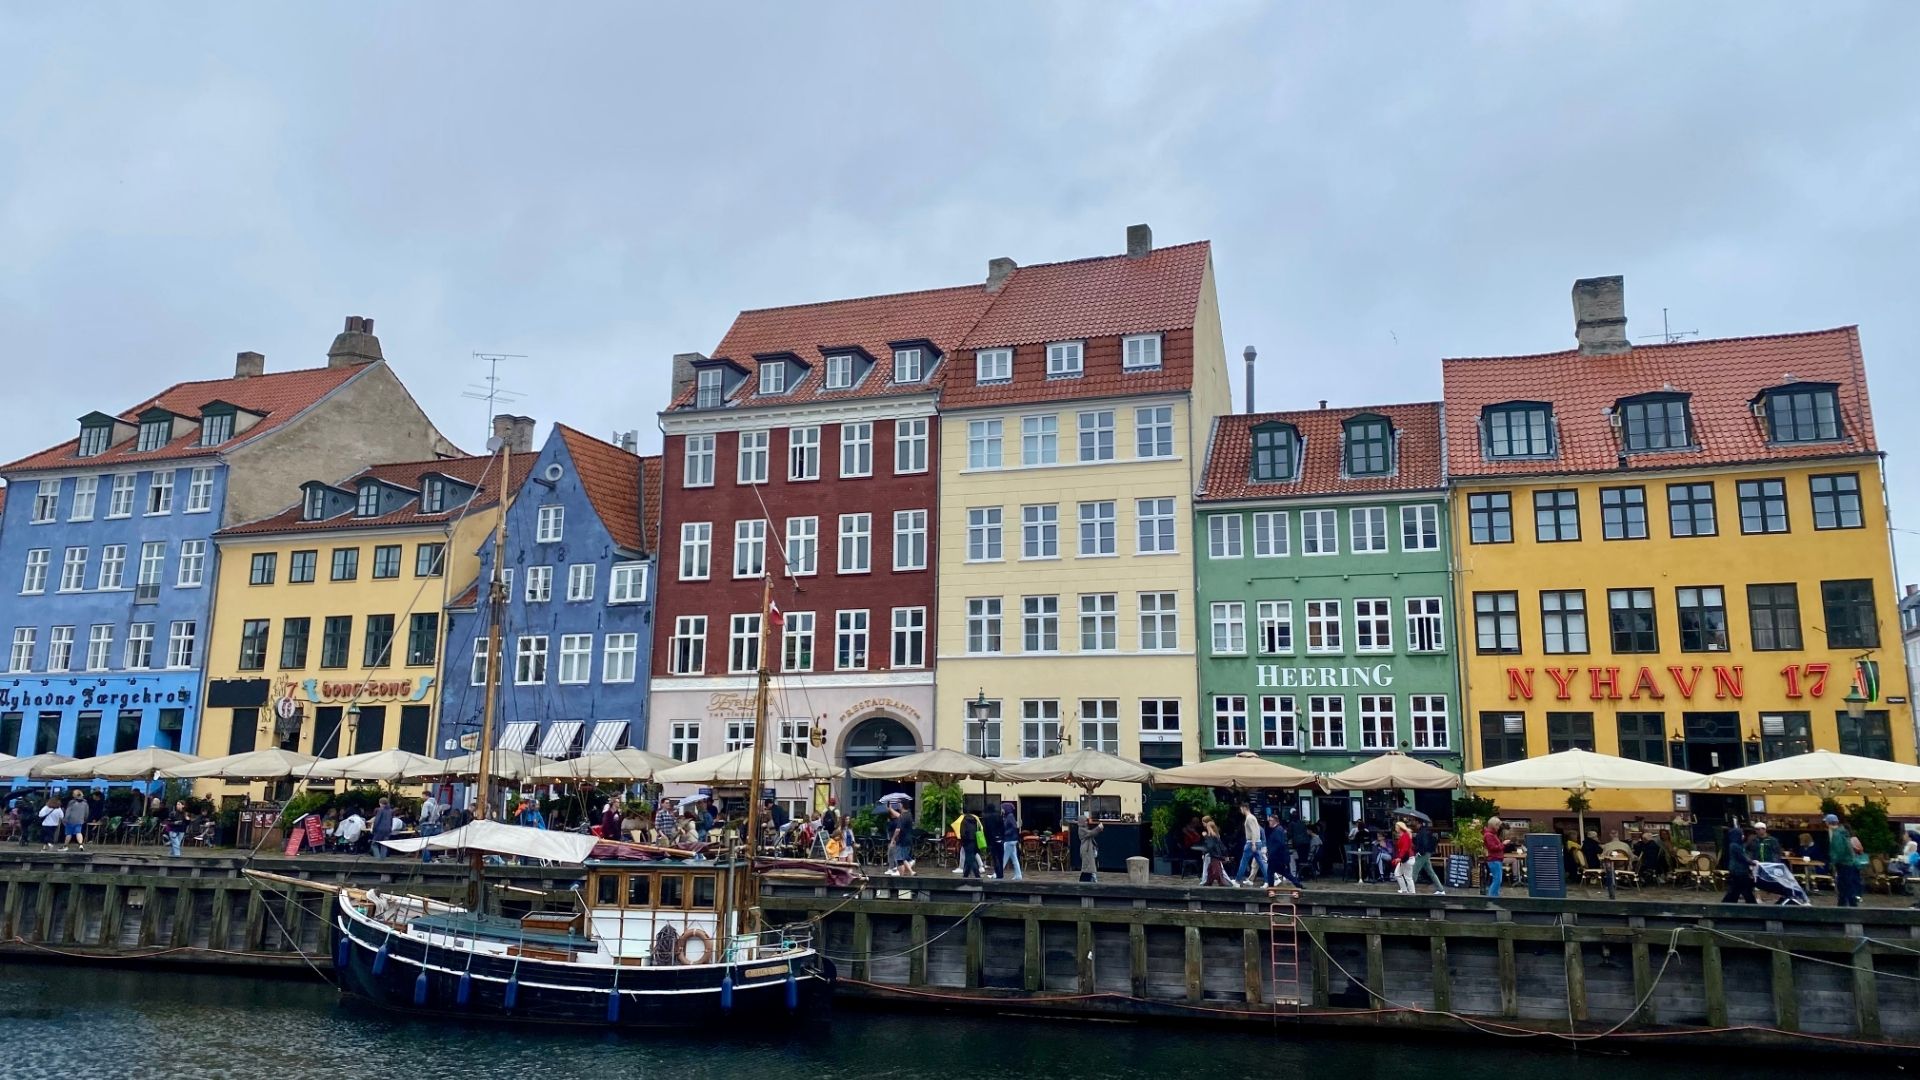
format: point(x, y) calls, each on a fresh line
point(1213, 854)
point(1403, 856)
point(1496, 855)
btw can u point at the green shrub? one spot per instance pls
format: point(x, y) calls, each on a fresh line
point(940, 804)
point(1188, 802)
point(1473, 808)
point(1870, 824)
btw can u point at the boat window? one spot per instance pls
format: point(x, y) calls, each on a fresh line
point(672, 890)
point(703, 892)
point(607, 890)
point(639, 890)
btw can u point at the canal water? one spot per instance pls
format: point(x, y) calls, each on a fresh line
point(60, 1022)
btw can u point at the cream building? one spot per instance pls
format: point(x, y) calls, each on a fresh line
point(1074, 422)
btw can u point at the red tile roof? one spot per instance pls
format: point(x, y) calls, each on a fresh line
point(808, 331)
point(482, 472)
point(280, 396)
point(652, 485)
point(611, 478)
point(1417, 458)
point(1723, 376)
point(1083, 299)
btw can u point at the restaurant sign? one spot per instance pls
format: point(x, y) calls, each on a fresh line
point(320, 691)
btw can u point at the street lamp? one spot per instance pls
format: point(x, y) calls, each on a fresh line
point(1856, 703)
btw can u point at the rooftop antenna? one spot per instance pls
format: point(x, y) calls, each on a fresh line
point(489, 389)
point(1668, 335)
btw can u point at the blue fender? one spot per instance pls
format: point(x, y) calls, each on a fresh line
point(613, 1006)
point(420, 988)
point(380, 960)
point(465, 993)
point(726, 992)
point(793, 990)
point(342, 953)
point(513, 991)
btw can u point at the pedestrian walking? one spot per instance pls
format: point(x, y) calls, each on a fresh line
point(1403, 857)
point(1213, 854)
point(1496, 855)
point(1280, 852)
point(77, 812)
point(973, 842)
point(382, 828)
point(993, 831)
point(1090, 850)
point(1843, 851)
point(1010, 842)
point(1738, 863)
point(1253, 848)
point(176, 826)
point(53, 817)
point(1425, 845)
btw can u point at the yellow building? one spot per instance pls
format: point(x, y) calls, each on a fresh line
point(329, 618)
point(1675, 553)
point(1074, 422)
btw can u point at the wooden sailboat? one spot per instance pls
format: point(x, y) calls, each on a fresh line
point(661, 937)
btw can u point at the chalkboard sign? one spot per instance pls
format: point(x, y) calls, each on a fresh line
point(1459, 871)
point(1546, 869)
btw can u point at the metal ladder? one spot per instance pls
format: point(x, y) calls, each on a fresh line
point(1285, 960)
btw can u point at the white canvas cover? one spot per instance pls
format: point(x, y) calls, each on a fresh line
point(625, 764)
point(736, 767)
point(373, 765)
point(1083, 768)
point(499, 838)
point(1584, 770)
point(140, 764)
point(1821, 772)
point(558, 740)
point(1393, 772)
point(505, 764)
point(607, 735)
point(1242, 770)
point(273, 763)
point(930, 766)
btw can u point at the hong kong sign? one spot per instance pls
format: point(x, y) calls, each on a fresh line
point(1726, 682)
point(318, 691)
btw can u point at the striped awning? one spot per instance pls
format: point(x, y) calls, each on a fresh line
point(518, 734)
point(559, 739)
point(607, 735)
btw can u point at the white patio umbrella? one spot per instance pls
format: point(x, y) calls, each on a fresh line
point(1393, 772)
point(1821, 772)
point(388, 765)
point(141, 764)
point(931, 767)
point(1583, 771)
point(736, 767)
point(1243, 770)
point(624, 764)
point(504, 764)
point(35, 766)
point(273, 763)
point(1084, 769)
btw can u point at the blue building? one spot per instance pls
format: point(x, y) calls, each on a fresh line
point(579, 566)
point(110, 537)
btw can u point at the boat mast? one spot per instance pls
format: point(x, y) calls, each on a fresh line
point(496, 668)
point(749, 887)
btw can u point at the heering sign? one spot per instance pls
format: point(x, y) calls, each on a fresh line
point(1345, 677)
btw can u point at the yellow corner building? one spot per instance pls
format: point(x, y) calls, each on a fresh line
point(1074, 424)
point(1677, 553)
point(329, 619)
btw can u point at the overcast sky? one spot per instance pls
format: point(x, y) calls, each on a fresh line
point(598, 187)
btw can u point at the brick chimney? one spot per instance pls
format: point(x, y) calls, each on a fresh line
point(683, 371)
point(355, 344)
point(516, 430)
point(248, 365)
point(1600, 316)
point(1139, 241)
point(998, 271)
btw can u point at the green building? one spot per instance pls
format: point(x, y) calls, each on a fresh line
point(1326, 613)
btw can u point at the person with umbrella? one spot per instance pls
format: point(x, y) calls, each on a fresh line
point(1425, 844)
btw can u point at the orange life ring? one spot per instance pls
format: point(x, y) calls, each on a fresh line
point(693, 934)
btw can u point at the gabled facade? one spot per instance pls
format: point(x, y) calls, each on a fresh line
point(328, 635)
point(1323, 589)
point(112, 537)
point(1672, 552)
point(1075, 415)
point(580, 573)
point(807, 449)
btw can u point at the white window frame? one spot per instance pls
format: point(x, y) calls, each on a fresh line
point(1099, 529)
point(683, 743)
point(39, 564)
point(1275, 621)
point(73, 566)
point(1140, 352)
point(1066, 359)
point(796, 641)
point(1372, 625)
point(696, 550)
point(99, 646)
point(138, 655)
point(985, 628)
point(1323, 619)
point(1319, 532)
point(580, 581)
point(986, 541)
point(852, 639)
point(909, 637)
point(709, 388)
point(530, 660)
point(25, 640)
point(1156, 531)
point(1367, 530)
point(909, 540)
point(1153, 432)
point(627, 583)
point(1039, 728)
point(477, 668)
point(856, 544)
point(986, 443)
point(60, 648)
point(803, 453)
point(183, 637)
point(687, 648)
point(200, 490)
point(113, 567)
point(751, 468)
point(1379, 723)
point(1420, 522)
point(46, 502)
point(1430, 711)
point(1099, 622)
point(696, 467)
point(839, 371)
point(1226, 536)
point(1040, 625)
point(86, 492)
point(1097, 429)
point(1100, 724)
point(983, 731)
point(159, 494)
point(1039, 440)
point(773, 377)
point(1326, 722)
point(1229, 721)
point(1228, 625)
point(743, 643)
point(1279, 722)
point(993, 366)
point(192, 570)
point(1159, 719)
point(1270, 526)
point(1159, 621)
point(120, 495)
point(909, 365)
point(1426, 627)
point(539, 588)
point(1040, 531)
point(749, 548)
point(551, 524)
point(856, 449)
point(576, 660)
point(910, 445)
point(803, 546)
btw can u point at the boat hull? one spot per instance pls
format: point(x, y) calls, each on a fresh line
point(794, 988)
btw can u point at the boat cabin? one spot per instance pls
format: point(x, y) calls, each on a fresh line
point(659, 913)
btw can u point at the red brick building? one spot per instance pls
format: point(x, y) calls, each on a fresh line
point(806, 446)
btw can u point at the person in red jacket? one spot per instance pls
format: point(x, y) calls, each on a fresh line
point(1496, 855)
point(1403, 856)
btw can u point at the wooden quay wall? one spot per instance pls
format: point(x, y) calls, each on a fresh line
point(1649, 973)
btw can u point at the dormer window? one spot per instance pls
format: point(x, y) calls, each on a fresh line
point(1652, 423)
point(1141, 352)
point(314, 506)
point(155, 434)
point(773, 377)
point(1276, 450)
point(1803, 412)
point(1518, 429)
point(1369, 450)
point(216, 428)
point(993, 366)
point(839, 371)
point(95, 439)
point(433, 495)
point(368, 504)
point(909, 365)
point(1066, 359)
point(709, 388)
